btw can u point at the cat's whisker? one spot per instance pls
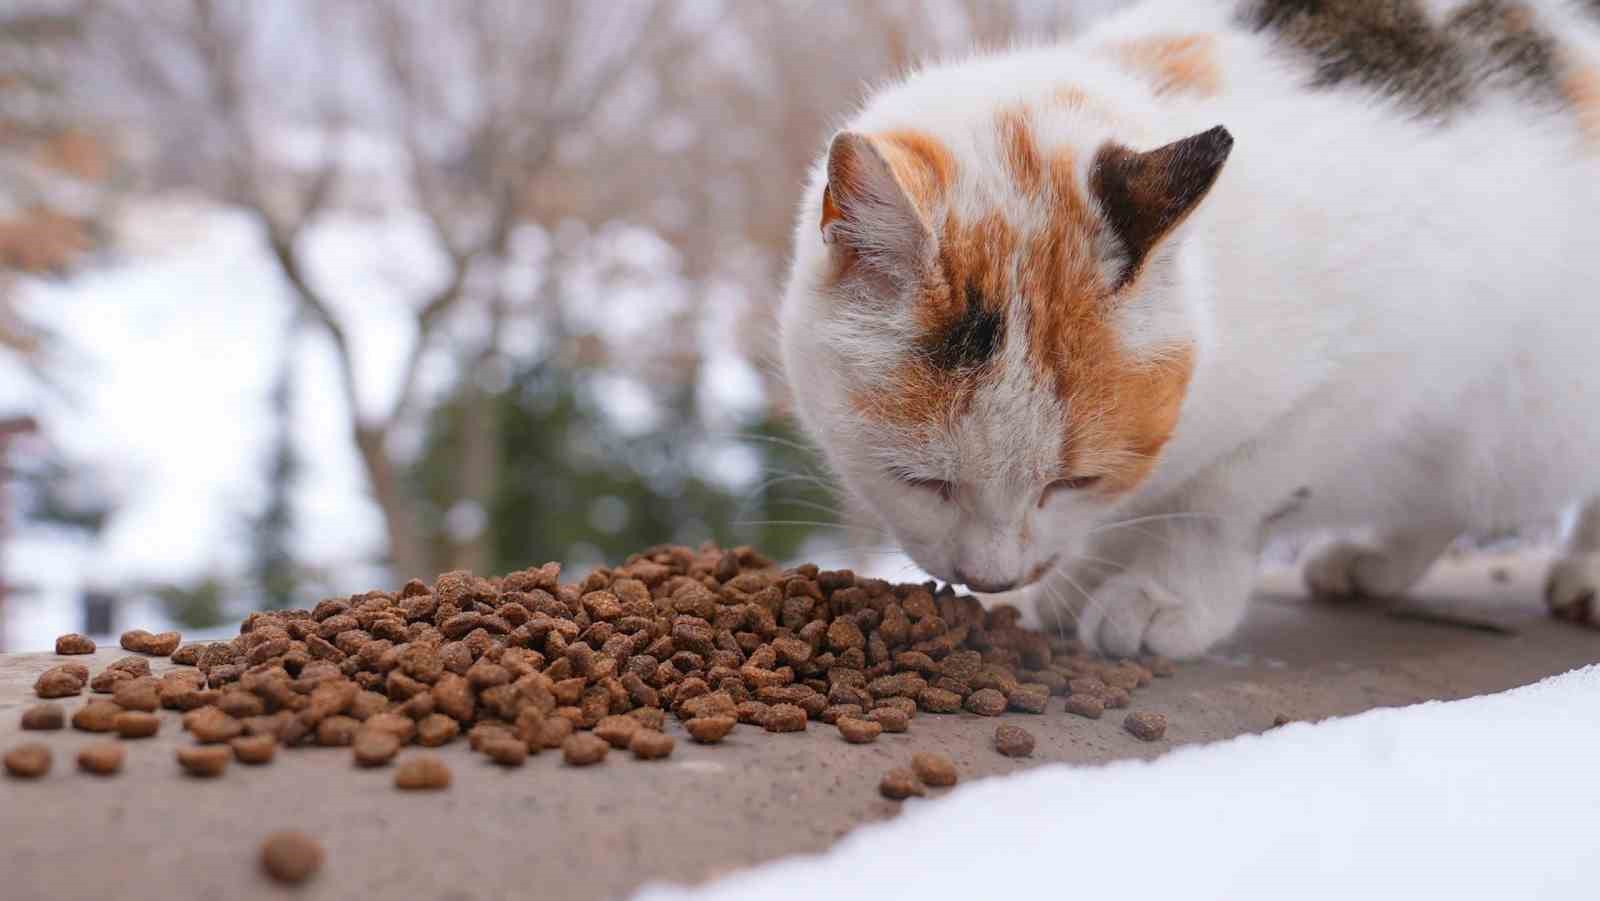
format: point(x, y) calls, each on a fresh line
point(1158, 517)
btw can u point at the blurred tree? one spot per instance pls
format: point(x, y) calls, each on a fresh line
point(573, 487)
point(272, 566)
point(200, 604)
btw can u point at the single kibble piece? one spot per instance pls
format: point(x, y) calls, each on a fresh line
point(254, 749)
point(938, 700)
point(582, 749)
point(143, 642)
point(136, 724)
point(1086, 705)
point(96, 716)
point(899, 784)
point(58, 682)
point(337, 731)
point(140, 693)
point(424, 772)
point(934, 769)
point(102, 758)
point(374, 747)
point(73, 643)
point(44, 716)
point(785, 718)
point(29, 761)
point(505, 751)
point(209, 725)
point(1146, 726)
point(986, 702)
point(892, 719)
point(648, 744)
point(189, 654)
point(1013, 741)
point(436, 729)
point(1115, 698)
point(858, 731)
point(204, 761)
point(708, 730)
point(617, 730)
point(1028, 700)
point(291, 856)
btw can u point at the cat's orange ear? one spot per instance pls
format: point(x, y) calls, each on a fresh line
point(867, 213)
point(1144, 196)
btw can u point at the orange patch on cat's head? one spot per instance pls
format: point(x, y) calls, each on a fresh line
point(1581, 86)
point(1176, 64)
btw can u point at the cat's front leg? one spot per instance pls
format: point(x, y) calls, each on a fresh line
point(1185, 586)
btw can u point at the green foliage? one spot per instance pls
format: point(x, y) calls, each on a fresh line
point(571, 488)
point(201, 604)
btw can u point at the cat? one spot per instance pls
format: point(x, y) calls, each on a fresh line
point(1103, 317)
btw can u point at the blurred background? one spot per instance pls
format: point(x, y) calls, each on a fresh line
point(312, 296)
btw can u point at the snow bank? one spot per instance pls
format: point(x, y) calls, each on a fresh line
point(1493, 797)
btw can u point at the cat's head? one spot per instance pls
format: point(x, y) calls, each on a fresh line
point(986, 333)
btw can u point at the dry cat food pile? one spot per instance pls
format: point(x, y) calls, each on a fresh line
point(526, 662)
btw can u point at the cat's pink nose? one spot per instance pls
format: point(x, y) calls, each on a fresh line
point(981, 586)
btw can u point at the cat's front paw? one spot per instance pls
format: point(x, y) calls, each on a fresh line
point(1130, 613)
point(1572, 589)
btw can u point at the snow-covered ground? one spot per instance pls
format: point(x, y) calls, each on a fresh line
point(1493, 797)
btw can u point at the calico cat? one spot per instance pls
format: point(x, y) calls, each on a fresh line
point(1107, 315)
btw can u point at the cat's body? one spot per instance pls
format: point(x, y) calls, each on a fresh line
point(1373, 308)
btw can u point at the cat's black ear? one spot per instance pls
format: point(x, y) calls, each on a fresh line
point(866, 212)
point(1144, 196)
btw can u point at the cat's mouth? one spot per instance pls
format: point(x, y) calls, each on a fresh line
point(1033, 576)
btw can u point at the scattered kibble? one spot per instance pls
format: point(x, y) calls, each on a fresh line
point(204, 761)
point(649, 744)
point(44, 717)
point(899, 784)
point(28, 761)
point(374, 747)
point(785, 718)
point(583, 749)
point(890, 718)
point(254, 750)
point(136, 724)
point(1146, 726)
point(159, 645)
point(96, 716)
point(1013, 741)
point(506, 751)
point(291, 857)
point(102, 758)
point(986, 702)
point(73, 643)
point(1086, 705)
point(858, 731)
point(709, 730)
point(936, 770)
point(424, 772)
point(62, 681)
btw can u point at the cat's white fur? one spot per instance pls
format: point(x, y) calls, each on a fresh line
point(1394, 323)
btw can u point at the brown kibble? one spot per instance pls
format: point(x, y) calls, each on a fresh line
point(708, 730)
point(785, 718)
point(136, 724)
point(892, 719)
point(254, 749)
point(28, 761)
point(436, 729)
point(403, 728)
point(1013, 741)
point(204, 761)
point(1115, 698)
point(1027, 700)
point(141, 693)
point(617, 730)
point(337, 731)
point(102, 758)
point(43, 717)
point(986, 702)
point(583, 749)
point(935, 770)
point(143, 642)
point(291, 857)
point(96, 716)
point(374, 747)
point(859, 731)
point(648, 744)
point(1086, 705)
point(63, 681)
point(209, 725)
point(1146, 726)
point(505, 751)
point(899, 784)
point(189, 654)
point(73, 643)
point(424, 772)
point(555, 731)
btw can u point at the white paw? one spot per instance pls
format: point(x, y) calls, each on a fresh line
point(1572, 587)
point(1343, 570)
point(1129, 613)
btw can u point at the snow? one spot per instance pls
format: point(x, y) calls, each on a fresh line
point(1492, 797)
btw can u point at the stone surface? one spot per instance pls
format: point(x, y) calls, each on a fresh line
point(752, 798)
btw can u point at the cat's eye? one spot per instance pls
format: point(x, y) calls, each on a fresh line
point(945, 490)
point(1077, 483)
